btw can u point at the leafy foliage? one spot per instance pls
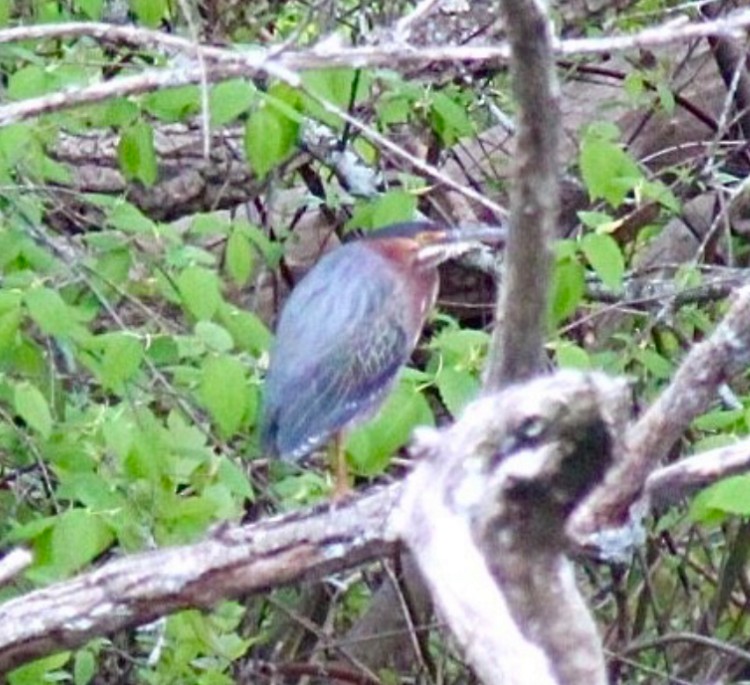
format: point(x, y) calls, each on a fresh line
point(133, 349)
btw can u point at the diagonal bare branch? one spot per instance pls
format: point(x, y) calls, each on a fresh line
point(692, 390)
point(236, 560)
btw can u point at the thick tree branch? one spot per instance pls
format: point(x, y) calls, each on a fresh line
point(225, 64)
point(520, 321)
point(328, 54)
point(188, 182)
point(485, 515)
point(235, 560)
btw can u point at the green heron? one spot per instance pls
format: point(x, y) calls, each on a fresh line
point(348, 327)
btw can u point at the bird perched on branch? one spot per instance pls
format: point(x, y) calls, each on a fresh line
point(347, 328)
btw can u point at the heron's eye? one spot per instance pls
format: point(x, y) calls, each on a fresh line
point(428, 237)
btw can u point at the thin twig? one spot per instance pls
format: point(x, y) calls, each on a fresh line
point(669, 484)
point(692, 638)
point(205, 116)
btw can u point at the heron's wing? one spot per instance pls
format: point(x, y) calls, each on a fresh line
point(338, 352)
point(339, 390)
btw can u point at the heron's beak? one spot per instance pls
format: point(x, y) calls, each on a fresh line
point(436, 247)
point(487, 235)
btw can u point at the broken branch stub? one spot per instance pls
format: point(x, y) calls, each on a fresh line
point(486, 514)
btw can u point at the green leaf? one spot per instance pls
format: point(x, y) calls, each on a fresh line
point(199, 291)
point(450, 119)
point(119, 431)
point(394, 108)
point(287, 101)
point(720, 419)
point(188, 517)
point(656, 190)
point(461, 346)
point(224, 503)
point(654, 363)
point(31, 405)
point(128, 218)
point(113, 267)
point(271, 250)
point(393, 207)
point(36, 257)
point(269, 138)
point(568, 355)
point(224, 392)
point(91, 8)
point(713, 442)
point(49, 311)
point(11, 247)
point(599, 221)
point(77, 538)
point(149, 457)
point(605, 257)
point(184, 436)
point(248, 331)
point(215, 337)
point(729, 496)
point(209, 225)
point(119, 112)
point(229, 99)
point(457, 388)
point(666, 97)
point(608, 171)
point(371, 446)
point(635, 85)
point(334, 86)
point(4, 11)
point(91, 490)
point(30, 81)
point(149, 12)
point(49, 11)
point(239, 257)
point(162, 350)
point(173, 104)
point(137, 155)
point(568, 287)
point(44, 670)
point(55, 172)
point(30, 531)
point(84, 667)
point(70, 75)
point(10, 322)
point(15, 141)
point(235, 478)
point(122, 354)
point(184, 254)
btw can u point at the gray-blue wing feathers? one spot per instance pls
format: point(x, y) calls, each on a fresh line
point(340, 343)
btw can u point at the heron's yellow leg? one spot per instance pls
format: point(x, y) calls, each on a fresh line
point(341, 487)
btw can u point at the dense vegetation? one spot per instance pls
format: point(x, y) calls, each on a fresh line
point(149, 234)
